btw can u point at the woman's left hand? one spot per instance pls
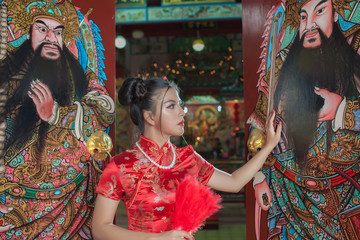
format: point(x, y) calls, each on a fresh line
point(272, 136)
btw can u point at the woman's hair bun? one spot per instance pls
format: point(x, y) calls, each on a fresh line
point(140, 90)
point(133, 90)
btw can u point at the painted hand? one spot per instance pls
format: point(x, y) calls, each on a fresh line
point(263, 195)
point(42, 98)
point(6, 228)
point(4, 209)
point(331, 104)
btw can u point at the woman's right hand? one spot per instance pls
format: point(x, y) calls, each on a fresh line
point(174, 235)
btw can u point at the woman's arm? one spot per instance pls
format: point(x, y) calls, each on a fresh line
point(234, 182)
point(104, 228)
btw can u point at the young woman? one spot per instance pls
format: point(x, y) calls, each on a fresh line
point(144, 177)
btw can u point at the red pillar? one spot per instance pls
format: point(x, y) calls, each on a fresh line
point(253, 20)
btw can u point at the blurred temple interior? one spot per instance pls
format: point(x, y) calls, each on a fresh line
point(198, 45)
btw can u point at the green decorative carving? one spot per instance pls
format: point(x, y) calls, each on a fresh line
point(124, 15)
point(206, 11)
point(178, 13)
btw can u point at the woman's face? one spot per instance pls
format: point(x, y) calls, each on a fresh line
point(170, 112)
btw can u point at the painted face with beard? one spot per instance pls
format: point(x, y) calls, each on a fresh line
point(316, 16)
point(330, 66)
point(48, 33)
point(62, 75)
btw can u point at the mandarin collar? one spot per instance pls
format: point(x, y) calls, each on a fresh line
point(148, 144)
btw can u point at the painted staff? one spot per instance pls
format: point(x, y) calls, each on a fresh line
point(270, 105)
point(3, 29)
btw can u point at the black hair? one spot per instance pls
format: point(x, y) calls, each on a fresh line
point(138, 94)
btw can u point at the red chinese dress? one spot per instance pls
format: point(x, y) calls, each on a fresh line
point(147, 190)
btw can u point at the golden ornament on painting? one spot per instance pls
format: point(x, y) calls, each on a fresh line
point(256, 141)
point(99, 145)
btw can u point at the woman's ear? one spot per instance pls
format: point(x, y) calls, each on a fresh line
point(336, 17)
point(149, 117)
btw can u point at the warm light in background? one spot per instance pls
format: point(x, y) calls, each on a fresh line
point(137, 34)
point(198, 45)
point(120, 42)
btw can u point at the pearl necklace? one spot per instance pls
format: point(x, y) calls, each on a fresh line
point(158, 165)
